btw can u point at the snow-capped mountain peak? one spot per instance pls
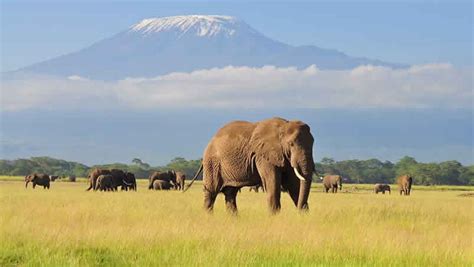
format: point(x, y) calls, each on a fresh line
point(200, 25)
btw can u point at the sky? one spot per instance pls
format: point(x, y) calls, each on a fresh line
point(410, 32)
point(424, 109)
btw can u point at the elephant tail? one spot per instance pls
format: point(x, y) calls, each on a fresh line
point(195, 177)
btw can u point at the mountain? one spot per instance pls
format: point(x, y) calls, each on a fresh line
point(158, 46)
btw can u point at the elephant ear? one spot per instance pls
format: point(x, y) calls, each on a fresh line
point(266, 141)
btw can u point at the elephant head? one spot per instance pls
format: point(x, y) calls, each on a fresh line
point(287, 145)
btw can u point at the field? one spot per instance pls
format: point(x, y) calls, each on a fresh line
point(67, 226)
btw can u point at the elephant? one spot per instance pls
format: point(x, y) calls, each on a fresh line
point(93, 175)
point(72, 178)
point(38, 179)
point(331, 182)
point(180, 180)
point(169, 176)
point(104, 182)
point(53, 178)
point(118, 179)
point(273, 152)
point(162, 185)
point(382, 188)
point(130, 182)
point(404, 184)
point(256, 187)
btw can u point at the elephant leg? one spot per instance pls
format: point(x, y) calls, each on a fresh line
point(34, 185)
point(272, 184)
point(291, 184)
point(231, 199)
point(209, 199)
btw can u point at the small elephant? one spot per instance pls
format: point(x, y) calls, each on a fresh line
point(104, 182)
point(180, 180)
point(72, 178)
point(404, 184)
point(162, 185)
point(382, 188)
point(53, 177)
point(332, 182)
point(37, 179)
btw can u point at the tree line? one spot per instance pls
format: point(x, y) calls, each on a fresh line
point(353, 171)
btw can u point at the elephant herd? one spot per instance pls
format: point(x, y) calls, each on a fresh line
point(167, 180)
point(333, 182)
point(274, 154)
point(111, 180)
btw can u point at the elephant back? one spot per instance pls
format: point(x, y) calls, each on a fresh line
point(332, 180)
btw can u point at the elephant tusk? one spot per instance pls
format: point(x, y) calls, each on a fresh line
point(299, 175)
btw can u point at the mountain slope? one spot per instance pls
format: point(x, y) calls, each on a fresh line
point(185, 43)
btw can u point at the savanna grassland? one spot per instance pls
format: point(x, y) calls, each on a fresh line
point(67, 226)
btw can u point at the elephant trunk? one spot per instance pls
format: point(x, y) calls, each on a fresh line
point(305, 186)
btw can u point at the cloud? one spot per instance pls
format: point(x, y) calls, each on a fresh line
point(430, 85)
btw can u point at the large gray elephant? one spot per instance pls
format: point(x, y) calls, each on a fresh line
point(332, 182)
point(274, 152)
point(162, 185)
point(169, 176)
point(104, 182)
point(382, 188)
point(404, 184)
point(37, 179)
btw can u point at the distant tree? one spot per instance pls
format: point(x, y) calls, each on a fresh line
point(140, 163)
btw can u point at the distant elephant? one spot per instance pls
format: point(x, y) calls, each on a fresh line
point(404, 184)
point(53, 178)
point(275, 152)
point(72, 178)
point(130, 182)
point(37, 179)
point(332, 182)
point(93, 175)
point(104, 182)
point(169, 176)
point(382, 188)
point(118, 179)
point(162, 185)
point(180, 180)
point(256, 187)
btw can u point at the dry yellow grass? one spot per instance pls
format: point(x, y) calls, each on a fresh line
point(68, 226)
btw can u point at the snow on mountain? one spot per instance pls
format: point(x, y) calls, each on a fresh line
point(197, 24)
point(158, 46)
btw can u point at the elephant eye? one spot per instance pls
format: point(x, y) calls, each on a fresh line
point(292, 144)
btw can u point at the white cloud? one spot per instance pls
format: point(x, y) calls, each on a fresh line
point(431, 85)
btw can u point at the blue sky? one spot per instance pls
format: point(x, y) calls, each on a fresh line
point(423, 110)
point(406, 32)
